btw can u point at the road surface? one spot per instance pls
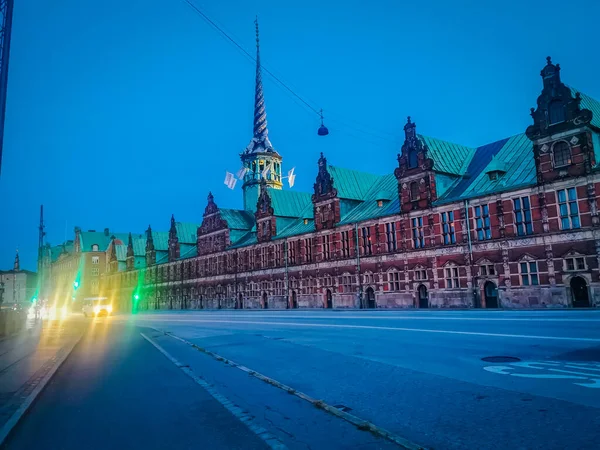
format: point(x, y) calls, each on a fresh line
point(437, 379)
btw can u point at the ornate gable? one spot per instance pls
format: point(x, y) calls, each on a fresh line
point(326, 205)
point(557, 109)
point(173, 241)
point(213, 233)
point(265, 218)
point(212, 220)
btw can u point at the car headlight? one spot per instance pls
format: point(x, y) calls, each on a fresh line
point(96, 309)
point(109, 308)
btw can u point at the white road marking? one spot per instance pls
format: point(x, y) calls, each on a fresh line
point(550, 366)
point(372, 327)
point(345, 316)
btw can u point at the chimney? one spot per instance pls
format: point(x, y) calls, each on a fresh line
point(106, 232)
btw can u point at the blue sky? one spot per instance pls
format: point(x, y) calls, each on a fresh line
point(123, 112)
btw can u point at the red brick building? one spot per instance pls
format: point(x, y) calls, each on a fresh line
point(510, 224)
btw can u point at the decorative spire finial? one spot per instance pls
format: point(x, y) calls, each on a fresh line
point(549, 59)
point(260, 141)
point(17, 266)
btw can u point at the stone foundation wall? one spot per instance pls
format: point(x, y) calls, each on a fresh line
point(395, 300)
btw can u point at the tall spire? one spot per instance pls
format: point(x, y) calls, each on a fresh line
point(17, 265)
point(260, 141)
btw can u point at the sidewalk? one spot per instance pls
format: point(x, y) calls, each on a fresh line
point(28, 360)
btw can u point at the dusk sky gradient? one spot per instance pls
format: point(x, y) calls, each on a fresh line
point(123, 112)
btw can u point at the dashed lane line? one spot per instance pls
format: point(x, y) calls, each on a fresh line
point(373, 327)
point(361, 424)
point(269, 439)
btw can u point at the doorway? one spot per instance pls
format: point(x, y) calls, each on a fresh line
point(294, 300)
point(370, 295)
point(423, 297)
point(329, 299)
point(240, 302)
point(579, 292)
point(265, 301)
point(490, 292)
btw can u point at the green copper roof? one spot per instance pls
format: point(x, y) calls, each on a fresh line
point(121, 251)
point(237, 219)
point(291, 203)
point(448, 157)
point(248, 239)
point(369, 208)
point(88, 238)
point(593, 105)
point(296, 228)
point(187, 251)
point(187, 232)
point(516, 156)
point(351, 184)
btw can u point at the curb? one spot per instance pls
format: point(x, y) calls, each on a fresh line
point(269, 439)
point(359, 423)
point(28, 402)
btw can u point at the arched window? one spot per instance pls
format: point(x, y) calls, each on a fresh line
point(561, 152)
point(412, 158)
point(94, 247)
point(556, 112)
point(414, 190)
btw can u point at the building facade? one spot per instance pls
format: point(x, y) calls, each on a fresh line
point(510, 224)
point(17, 286)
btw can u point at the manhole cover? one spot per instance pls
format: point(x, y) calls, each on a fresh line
point(500, 359)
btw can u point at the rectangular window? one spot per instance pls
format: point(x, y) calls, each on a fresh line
point(487, 270)
point(522, 210)
point(575, 263)
point(448, 234)
point(366, 240)
point(345, 243)
point(529, 273)
point(308, 245)
point(95, 260)
point(263, 257)
point(292, 252)
point(420, 274)
point(95, 271)
point(394, 281)
point(452, 280)
point(568, 209)
point(417, 232)
point(95, 287)
point(482, 222)
point(278, 254)
point(390, 234)
point(326, 247)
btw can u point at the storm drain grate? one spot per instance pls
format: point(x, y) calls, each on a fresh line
point(500, 359)
point(343, 408)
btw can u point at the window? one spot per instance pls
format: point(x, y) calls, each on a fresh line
point(522, 210)
point(529, 273)
point(561, 154)
point(574, 263)
point(393, 281)
point(346, 282)
point(94, 247)
point(417, 232)
point(308, 245)
point(345, 243)
point(448, 234)
point(263, 257)
point(326, 247)
point(420, 274)
point(482, 222)
point(366, 241)
point(292, 252)
point(412, 158)
point(452, 277)
point(414, 191)
point(556, 112)
point(95, 260)
point(95, 271)
point(94, 287)
point(278, 254)
point(390, 234)
point(487, 270)
point(264, 228)
point(568, 209)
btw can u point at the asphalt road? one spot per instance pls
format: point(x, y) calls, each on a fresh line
point(418, 374)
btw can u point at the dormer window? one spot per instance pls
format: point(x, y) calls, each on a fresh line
point(561, 154)
point(412, 158)
point(414, 191)
point(94, 247)
point(556, 112)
